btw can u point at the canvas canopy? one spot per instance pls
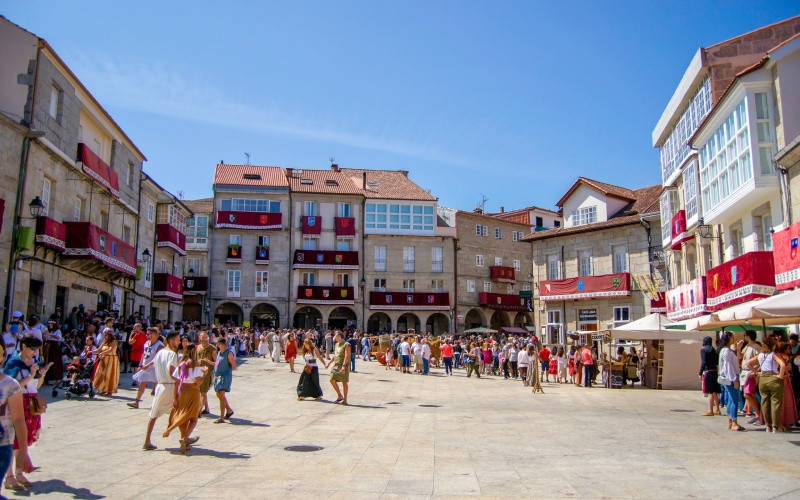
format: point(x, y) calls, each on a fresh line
point(653, 327)
point(776, 310)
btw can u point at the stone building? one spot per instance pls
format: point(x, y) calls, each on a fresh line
point(197, 268)
point(408, 259)
point(493, 265)
point(599, 270)
point(536, 217)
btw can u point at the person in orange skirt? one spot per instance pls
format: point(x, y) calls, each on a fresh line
point(291, 350)
point(106, 371)
point(186, 407)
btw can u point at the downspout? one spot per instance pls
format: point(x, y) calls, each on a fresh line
point(291, 259)
point(136, 246)
point(786, 199)
point(454, 322)
point(21, 178)
point(363, 266)
point(563, 302)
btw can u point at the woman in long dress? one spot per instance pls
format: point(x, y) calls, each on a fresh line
point(308, 385)
point(788, 403)
point(263, 345)
point(291, 350)
point(186, 407)
point(106, 372)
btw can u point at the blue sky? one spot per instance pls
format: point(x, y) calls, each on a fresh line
point(510, 100)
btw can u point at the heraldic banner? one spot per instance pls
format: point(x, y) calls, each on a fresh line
point(345, 227)
point(744, 278)
point(787, 261)
point(586, 287)
point(249, 220)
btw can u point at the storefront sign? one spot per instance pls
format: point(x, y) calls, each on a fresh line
point(587, 315)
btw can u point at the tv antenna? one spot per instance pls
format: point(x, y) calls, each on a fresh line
point(332, 159)
point(247, 155)
point(482, 203)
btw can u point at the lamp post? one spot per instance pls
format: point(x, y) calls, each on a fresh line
point(36, 207)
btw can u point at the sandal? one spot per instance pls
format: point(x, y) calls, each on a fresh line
point(228, 415)
point(738, 428)
point(134, 404)
point(11, 484)
point(219, 421)
point(21, 479)
point(148, 447)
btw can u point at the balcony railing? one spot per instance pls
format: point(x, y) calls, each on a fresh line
point(746, 277)
point(504, 302)
point(168, 236)
point(325, 295)
point(109, 254)
point(421, 301)
point(167, 286)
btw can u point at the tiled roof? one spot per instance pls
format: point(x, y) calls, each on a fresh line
point(249, 175)
point(388, 185)
point(201, 206)
point(522, 214)
point(320, 181)
point(606, 189)
point(463, 213)
point(645, 202)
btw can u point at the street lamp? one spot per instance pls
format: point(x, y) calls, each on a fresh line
point(146, 254)
point(36, 206)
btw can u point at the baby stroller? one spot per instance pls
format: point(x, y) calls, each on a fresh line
point(82, 384)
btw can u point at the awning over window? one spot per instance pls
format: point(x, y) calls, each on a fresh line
point(249, 220)
point(87, 241)
point(502, 273)
point(513, 329)
point(679, 233)
point(401, 301)
point(586, 287)
point(786, 255)
point(98, 170)
point(167, 286)
point(50, 233)
point(345, 227)
point(687, 300)
point(341, 295)
point(168, 236)
point(744, 278)
point(504, 302)
point(325, 259)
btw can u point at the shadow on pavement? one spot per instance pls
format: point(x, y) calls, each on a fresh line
point(195, 451)
point(57, 486)
point(244, 421)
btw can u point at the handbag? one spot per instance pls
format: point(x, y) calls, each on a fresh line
point(37, 405)
point(307, 369)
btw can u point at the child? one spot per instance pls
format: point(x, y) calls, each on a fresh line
point(389, 358)
point(74, 369)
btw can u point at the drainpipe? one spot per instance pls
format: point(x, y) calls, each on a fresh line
point(786, 199)
point(291, 260)
point(18, 203)
point(363, 273)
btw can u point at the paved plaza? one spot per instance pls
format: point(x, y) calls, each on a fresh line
point(409, 435)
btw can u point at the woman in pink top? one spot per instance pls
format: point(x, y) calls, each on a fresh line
point(447, 357)
point(588, 366)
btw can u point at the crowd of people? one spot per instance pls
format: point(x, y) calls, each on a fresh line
point(756, 380)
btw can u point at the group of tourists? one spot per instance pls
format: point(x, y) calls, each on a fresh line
point(756, 380)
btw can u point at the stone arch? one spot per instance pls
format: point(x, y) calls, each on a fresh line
point(408, 321)
point(228, 312)
point(499, 320)
point(522, 320)
point(437, 324)
point(264, 315)
point(307, 318)
point(379, 322)
point(342, 317)
point(474, 318)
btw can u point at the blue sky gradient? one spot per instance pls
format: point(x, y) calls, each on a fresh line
point(511, 100)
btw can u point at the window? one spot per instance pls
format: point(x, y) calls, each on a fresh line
point(487, 286)
point(174, 269)
point(55, 96)
point(514, 236)
point(251, 205)
point(497, 233)
point(197, 230)
point(193, 264)
point(163, 266)
point(342, 279)
point(234, 283)
point(669, 207)
point(764, 133)
point(310, 208)
point(170, 214)
point(554, 328)
point(553, 267)
point(235, 239)
point(620, 259)
point(131, 174)
point(622, 315)
point(479, 260)
point(539, 222)
point(690, 191)
point(498, 261)
point(478, 230)
point(147, 261)
point(436, 260)
point(409, 285)
point(151, 211)
point(309, 243)
point(516, 265)
point(584, 215)
point(408, 259)
point(676, 146)
point(484, 230)
point(309, 279)
point(343, 244)
point(263, 240)
point(585, 263)
point(526, 287)
point(126, 234)
point(737, 240)
point(470, 285)
point(380, 284)
point(556, 223)
point(46, 186)
point(510, 289)
point(77, 209)
point(343, 210)
point(380, 258)
point(104, 220)
point(437, 285)
point(766, 232)
point(401, 218)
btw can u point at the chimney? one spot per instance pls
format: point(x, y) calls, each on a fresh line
point(364, 181)
point(289, 171)
point(502, 209)
point(478, 210)
point(334, 167)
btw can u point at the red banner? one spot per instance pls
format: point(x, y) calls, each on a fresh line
point(51, 233)
point(234, 254)
point(659, 304)
point(2, 212)
point(586, 287)
point(504, 302)
point(168, 286)
point(98, 170)
point(262, 255)
point(249, 220)
point(746, 277)
point(325, 295)
point(422, 301)
point(345, 227)
point(87, 241)
point(785, 254)
point(687, 300)
point(325, 259)
point(168, 236)
point(312, 224)
point(502, 273)
point(195, 285)
point(679, 234)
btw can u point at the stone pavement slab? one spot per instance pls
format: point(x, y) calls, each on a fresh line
point(408, 436)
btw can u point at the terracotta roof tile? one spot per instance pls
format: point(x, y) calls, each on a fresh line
point(646, 200)
point(463, 213)
point(201, 206)
point(320, 181)
point(249, 175)
point(388, 185)
point(607, 189)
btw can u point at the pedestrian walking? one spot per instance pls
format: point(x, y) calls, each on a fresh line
point(447, 357)
point(340, 372)
point(187, 401)
point(164, 363)
point(207, 357)
point(728, 378)
point(146, 372)
point(106, 372)
point(709, 363)
point(223, 378)
point(308, 385)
